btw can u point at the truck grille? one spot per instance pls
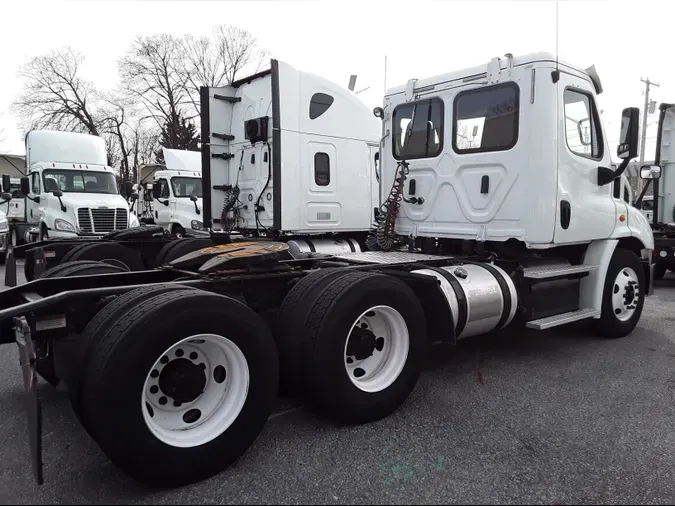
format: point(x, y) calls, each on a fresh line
point(102, 220)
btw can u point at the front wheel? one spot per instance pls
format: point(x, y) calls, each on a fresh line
point(188, 377)
point(623, 296)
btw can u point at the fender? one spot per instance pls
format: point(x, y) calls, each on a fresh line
point(590, 292)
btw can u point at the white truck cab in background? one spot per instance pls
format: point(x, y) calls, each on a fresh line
point(177, 193)
point(70, 190)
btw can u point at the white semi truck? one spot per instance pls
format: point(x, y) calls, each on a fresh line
point(491, 213)
point(659, 208)
point(170, 195)
point(336, 187)
point(70, 189)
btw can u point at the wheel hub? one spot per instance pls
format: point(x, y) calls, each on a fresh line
point(363, 342)
point(182, 380)
point(630, 294)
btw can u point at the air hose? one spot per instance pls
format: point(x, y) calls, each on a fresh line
point(382, 235)
point(232, 193)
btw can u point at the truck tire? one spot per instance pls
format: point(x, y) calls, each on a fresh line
point(185, 246)
point(623, 295)
point(159, 259)
point(79, 346)
point(45, 366)
point(290, 321)
point(363, 347)
point(79, 268)
point(101, 251)
point(135, 384)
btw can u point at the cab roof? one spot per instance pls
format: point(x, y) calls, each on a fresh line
point(540, 57)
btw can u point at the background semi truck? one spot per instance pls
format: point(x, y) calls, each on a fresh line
point(185, 360)
point(336, 186)
point(660, 207)
point(176, 202)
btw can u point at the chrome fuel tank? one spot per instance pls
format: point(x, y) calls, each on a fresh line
point(482, 297)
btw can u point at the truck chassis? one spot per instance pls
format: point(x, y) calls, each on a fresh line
point(254, 319)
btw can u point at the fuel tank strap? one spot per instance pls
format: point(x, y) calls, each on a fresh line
point(462, 302)
point(506, 310)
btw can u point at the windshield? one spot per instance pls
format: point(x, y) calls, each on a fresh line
point(78, 181)
point(186, 186)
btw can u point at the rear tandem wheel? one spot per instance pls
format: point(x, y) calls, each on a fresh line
point(189, 379)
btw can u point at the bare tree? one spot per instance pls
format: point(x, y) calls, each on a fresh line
point(220, 59)
point(55, 95)
point(239, 50)
point(151, 71)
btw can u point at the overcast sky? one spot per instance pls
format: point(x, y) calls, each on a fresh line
point(337, 38)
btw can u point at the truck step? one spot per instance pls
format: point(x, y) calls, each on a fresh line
point(556, 271)
point(562, 319)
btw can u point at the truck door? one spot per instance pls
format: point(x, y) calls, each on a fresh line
point(374, 162)
point(162, 204)
point(33, 212)
point(586, 211)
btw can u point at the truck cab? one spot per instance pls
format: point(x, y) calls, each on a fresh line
point(478, 169)
point(177, 193)
point(70, 190)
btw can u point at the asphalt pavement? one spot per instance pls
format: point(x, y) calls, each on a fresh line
point(522, 417)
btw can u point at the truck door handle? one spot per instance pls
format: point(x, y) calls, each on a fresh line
point(485, 184)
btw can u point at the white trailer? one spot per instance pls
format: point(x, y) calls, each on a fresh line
point(492, 212)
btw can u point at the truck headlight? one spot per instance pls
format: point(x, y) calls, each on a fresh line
point(4, 225)
point(197, 225)
point(63, 225)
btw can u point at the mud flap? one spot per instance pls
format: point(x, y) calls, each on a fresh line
point(27, 360)
point(10, 269)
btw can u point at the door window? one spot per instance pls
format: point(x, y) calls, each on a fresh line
point(163, 189)
point(582, 125)
point(35, 183)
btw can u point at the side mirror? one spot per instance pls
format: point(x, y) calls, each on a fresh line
point(628, 139)
point(57, 193)
point(133, 196)
point(156, 189)
point(650, 172)
point(583, 128)
point(6, 183)
point(193, 198)
point(6, 196)
point(25, 185)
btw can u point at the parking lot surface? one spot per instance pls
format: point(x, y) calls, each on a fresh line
point(520, 417)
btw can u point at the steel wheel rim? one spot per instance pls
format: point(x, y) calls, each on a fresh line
point(391, 346)
point(209, 414)
point(625, 294)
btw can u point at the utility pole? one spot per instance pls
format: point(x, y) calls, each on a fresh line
point(645, 113)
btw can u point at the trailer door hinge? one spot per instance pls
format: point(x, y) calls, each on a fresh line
point(224, 156)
